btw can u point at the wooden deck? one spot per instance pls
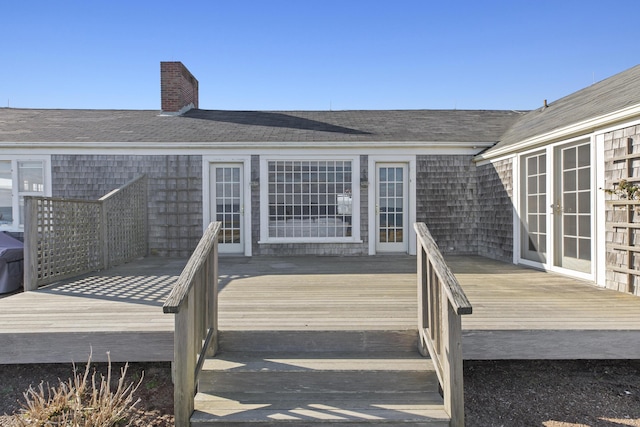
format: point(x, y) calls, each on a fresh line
point(518, 313)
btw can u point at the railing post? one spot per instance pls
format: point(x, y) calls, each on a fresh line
point(104, 233)
point(423, 300)
point(184, 362)
point(30, 244)
point(212, 300)
point(452, 365)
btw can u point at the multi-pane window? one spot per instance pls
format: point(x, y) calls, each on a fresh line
point(6, 191)
point(310, 198)
point(18, 178)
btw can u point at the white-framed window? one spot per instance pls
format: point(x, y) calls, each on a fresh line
point(20, 177)
point(310, 200)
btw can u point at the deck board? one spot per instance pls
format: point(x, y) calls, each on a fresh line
point(517, 312)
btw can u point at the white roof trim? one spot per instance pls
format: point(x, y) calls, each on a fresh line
point(245, 145)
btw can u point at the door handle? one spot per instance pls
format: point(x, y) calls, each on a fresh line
point(556, 208)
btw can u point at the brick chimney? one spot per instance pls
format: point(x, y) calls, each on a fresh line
point(178, 88)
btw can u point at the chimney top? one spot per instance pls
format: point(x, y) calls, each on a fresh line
point(178, 88)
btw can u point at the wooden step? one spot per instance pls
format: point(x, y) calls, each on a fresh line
point(313, 389)
point(319, 341)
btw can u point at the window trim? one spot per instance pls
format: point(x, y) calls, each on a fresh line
point(15, 225)
point(264, 199)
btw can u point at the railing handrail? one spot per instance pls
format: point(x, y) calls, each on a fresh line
point(193, 301)
point(184, 283)
point(451, 286)
point(115, 191)
point(441, 304)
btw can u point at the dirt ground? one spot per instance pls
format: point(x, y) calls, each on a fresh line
point(552, 393)
point(497, 393)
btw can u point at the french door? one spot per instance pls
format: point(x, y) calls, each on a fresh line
point(227, 206)
point(392, 207)
point(572, 208)
point(534, 207)
point(556, 207)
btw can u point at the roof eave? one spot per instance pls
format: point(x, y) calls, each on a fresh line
point(143, 145)
point(575, 129)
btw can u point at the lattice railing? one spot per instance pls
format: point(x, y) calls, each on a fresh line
point(125, 211)
point(70, 237)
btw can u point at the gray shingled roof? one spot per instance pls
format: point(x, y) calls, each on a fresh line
point(30, 125)
point(612, 94)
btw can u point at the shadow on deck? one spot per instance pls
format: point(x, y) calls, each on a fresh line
point(518, 313)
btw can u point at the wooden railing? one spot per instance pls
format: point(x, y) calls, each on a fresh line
point(194, 301)
point(69, 237)
point(441, 302)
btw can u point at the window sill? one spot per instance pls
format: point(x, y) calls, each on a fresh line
point(307, 240)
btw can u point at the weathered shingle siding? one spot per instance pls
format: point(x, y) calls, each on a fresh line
point(446, 192)
point(255, 204)
point(364, 201)
point(175, 192)
point(495, 213)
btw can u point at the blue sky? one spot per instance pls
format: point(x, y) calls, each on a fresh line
point(313, 54)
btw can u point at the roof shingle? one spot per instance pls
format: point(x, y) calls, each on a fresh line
point(31, 125)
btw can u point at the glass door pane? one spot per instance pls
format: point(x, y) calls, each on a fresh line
point(227, 205)
point(391, 207)
point(534, 207)
point(572, 208)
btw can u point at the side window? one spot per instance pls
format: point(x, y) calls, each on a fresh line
point(6, 193)
point(18, 178)
point(30, 182)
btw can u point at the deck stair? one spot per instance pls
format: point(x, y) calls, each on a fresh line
point(318, 378)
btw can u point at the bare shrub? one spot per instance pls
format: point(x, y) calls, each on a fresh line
point(83, 401)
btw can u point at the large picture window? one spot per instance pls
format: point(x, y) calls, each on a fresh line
point(310, 199)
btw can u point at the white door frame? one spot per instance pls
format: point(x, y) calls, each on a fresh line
point(207, 161)
point(596, 206)
point(410, 161)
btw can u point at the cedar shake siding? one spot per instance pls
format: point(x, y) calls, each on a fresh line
point(175, 192)
point(495, 210)
point(446, 194)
